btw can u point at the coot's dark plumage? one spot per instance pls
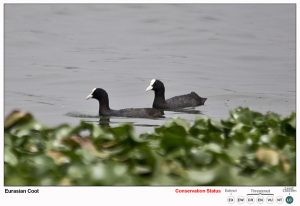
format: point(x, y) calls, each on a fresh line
point(177, 102)
point(104, 109)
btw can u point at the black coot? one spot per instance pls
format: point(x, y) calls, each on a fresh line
point(104, 109)
point(177, 102)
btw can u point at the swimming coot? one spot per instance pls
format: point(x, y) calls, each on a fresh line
point(104, 109)
point(177, 102)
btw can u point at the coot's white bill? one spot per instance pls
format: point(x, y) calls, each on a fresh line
point(91, 94)
point(150, 87)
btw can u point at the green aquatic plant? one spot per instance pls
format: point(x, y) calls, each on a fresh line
point(249, 148)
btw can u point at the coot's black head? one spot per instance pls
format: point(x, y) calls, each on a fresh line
point(101, 95)
point(98, 93)
point(156, 85)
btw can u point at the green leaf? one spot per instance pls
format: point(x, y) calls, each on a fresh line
point(10, 157)
point(252, 148)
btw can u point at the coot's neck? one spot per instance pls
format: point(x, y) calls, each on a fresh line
point(159, 97)
point(103, 106)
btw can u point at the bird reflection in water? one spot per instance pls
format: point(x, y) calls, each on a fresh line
point(104, 121)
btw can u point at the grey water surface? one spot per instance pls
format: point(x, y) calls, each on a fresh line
point(233, 54)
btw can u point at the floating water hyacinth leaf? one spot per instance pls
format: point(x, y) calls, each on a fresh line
point(213, 147)
point(199, 177)
point(248, 148)
point(242, 115)
point(58, 157)
point(201, 157)
point(172, 137)
point(10, 157)
point(268, 156)
point(21, 122)
point(292, 120)
point(16, 117)
point(122, 132)
point(180, 122)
